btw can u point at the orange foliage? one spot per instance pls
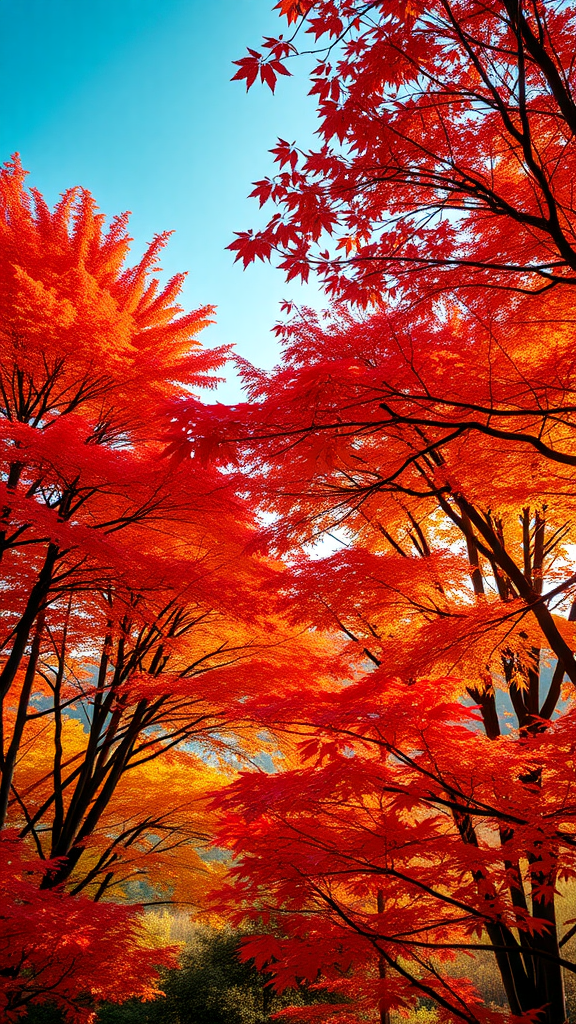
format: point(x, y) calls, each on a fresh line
point(135, 623)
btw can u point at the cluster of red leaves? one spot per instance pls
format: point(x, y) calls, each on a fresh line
point(441, 125)
point(67, 949)
point(386, 779)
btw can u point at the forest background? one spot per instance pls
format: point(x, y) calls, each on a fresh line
point(304, 662)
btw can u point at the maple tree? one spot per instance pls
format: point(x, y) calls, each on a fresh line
point(426, 424)
point(447, 133)
point(416, 787)
point(134, 621)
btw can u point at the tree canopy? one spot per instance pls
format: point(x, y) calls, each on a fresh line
point(425, 423)
point(135, 622)
point(366, 569)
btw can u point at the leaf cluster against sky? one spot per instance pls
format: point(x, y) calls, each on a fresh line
point(133, 100)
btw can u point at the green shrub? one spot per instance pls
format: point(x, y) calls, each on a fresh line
point(212, 987)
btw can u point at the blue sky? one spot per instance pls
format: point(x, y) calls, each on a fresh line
point(133, 100)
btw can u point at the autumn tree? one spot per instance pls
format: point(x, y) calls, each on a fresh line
point(447, 135)
point(442, 188)
point(134, 621)
point(426, 425)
